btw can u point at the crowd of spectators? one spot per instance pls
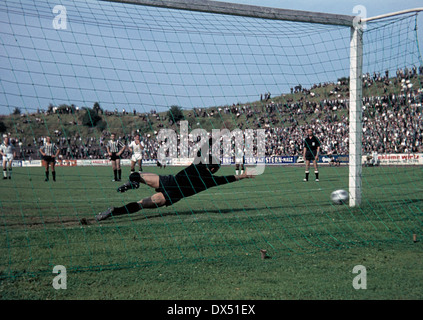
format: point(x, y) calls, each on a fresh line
point(392, 123)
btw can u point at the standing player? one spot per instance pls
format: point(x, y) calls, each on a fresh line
point(240, 156)
point(49, 152)
point(311, 153)
point(115, 148)
point(239, 163)
point(161, 165)
point(7, 150)
point(137, 149)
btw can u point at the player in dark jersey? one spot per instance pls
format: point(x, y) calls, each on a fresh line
point(311, 153)
point(197, 177)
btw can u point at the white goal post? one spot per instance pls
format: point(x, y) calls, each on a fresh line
point(355, 116)
point(356, 59)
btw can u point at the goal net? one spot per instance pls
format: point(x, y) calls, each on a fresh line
point(82, 70)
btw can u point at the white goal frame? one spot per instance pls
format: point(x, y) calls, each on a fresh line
point(356, 59)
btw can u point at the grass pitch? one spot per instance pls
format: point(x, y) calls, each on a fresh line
point(208, 246)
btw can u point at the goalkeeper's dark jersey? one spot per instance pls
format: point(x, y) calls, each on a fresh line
point(190, 181)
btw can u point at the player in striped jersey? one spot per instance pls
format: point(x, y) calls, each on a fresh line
point(115, 148)
point(7, 150)
point(137, 149)
point(49, 151)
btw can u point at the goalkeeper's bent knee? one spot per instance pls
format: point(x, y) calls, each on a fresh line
point(135, 177)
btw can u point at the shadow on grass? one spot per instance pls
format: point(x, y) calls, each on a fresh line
point(300, 210)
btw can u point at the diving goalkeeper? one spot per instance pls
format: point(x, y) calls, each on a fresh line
point(197, 177)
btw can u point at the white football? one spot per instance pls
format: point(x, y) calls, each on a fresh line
point(339, 196)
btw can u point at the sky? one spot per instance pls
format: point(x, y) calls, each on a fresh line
point(136, 58)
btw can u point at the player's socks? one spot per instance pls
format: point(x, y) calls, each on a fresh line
point(306, 175)
point(115, 174)
point(131, 207)
point(236, 172)
point(120, 174)
point(53, 173)
point(47, 174)
point(4, 174)
point(317, 175)
point(10, 173)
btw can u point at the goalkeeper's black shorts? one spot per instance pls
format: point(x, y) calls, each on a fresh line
point(170, 189)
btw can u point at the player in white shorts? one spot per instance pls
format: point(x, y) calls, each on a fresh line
point(137, 149)
point(8, 153)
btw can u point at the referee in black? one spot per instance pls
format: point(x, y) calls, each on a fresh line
point(114, 149)
point(311, 153)
point(49, 152)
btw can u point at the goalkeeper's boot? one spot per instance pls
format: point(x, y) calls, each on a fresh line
point(128, 186)
point(104, 215)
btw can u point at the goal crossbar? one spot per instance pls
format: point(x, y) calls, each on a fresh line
point(218, 7)
point(392, 14)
